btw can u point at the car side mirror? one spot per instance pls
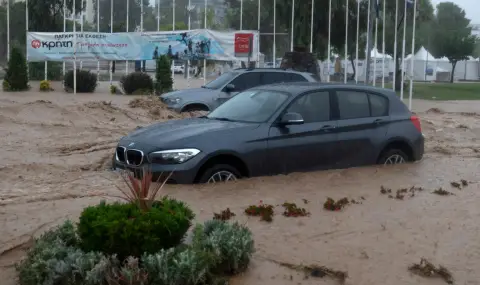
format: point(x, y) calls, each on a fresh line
point(229, 88)
point(291, 118)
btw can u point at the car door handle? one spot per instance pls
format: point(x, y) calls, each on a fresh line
point(378, 121)
point(328, 127)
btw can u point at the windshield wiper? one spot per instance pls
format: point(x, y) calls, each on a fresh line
point(221, 119)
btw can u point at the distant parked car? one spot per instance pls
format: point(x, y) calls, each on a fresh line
point(280, 128)
point(178, 66)
point(227, 86)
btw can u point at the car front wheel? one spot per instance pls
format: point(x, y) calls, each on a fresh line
point(220, 173)
point(393, 156)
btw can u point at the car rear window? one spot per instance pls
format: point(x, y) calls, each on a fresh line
point(378, 105)
point(353, 104)
point(297, 78)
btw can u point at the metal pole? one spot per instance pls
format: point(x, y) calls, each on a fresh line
point(395, 47)
point(258, 38)
point(403, 49)
point(383, 44)
point(98, 31)
point(173, 29)
point(8, 30)
point(329, 36)
point(74, 50)
point(189, 9)
point(376, 50)
point(26, 26)
point(126, 29)
point(346, 44)
point(81, 32)
point(410, 97)
point(293, 24)
point(311, 27)
point(204, 59)
point(358, 37)
point(158, 15)
point(369, 43)
point(241, 15)
point(274, 32)
point(111, 31)
point(64, 30)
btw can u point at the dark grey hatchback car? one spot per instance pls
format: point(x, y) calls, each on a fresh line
point(280, 128)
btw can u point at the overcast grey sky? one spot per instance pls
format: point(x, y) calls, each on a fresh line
point(471, 7)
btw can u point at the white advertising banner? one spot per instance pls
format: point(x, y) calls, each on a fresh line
point(192, 45)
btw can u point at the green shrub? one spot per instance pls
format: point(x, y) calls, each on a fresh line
point(36, 71)
point(86, 81)
point(231, 243)
point(126, 230)
point(163, 75)
point(188, 266)
point(136, 81)
point(54, 259)
point(17, 73)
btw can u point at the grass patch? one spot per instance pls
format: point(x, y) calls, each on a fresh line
point(442, 91)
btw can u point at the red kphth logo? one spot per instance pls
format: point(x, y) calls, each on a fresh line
point(243, 43)
point(36, 44)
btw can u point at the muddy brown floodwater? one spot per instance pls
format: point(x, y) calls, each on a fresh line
point(56, 148)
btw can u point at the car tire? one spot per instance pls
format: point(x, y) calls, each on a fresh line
point(219, 171)
point(393, 156)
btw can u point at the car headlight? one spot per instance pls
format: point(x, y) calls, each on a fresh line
point(173, 156)
point(173, 101)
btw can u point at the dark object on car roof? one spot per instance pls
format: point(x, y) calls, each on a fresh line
point(302, 61)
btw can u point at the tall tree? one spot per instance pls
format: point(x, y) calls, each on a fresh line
point(452, 34)
point(423, 18)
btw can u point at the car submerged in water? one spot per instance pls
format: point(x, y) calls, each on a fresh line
point(279, 129)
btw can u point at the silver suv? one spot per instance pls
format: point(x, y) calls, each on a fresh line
point(227, 85)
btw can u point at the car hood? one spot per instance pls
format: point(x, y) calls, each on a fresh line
point(187, 93)
point(182, 133)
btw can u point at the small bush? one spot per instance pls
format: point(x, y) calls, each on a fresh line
point(264, 211)
point(163, 75)
point(86, 81)
point(54, 259)
point(187, 266)
point(127, 230)
point(17, 73)
point(231, 243)
point(5, 85)
point(136, 81)
point(45, 86)
point(113, 89)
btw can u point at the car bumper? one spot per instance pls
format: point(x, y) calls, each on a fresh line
point(419, 148)
point(184, 173)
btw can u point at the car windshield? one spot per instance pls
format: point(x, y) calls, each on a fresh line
point(220, 81)
point(251, 106)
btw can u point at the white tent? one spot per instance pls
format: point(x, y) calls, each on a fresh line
point(424, 65)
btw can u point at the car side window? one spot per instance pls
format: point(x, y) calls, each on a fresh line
point(378, 105)
point(297, 78)
point(246, 80)
point(273, 77)
point(314, 107)
point(353, 104)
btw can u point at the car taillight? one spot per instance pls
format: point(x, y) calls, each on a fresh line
point(416, 122)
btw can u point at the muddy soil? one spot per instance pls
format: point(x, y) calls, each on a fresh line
point(56, 150)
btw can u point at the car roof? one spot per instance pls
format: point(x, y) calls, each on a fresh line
point(296, 88)
point(269, 70)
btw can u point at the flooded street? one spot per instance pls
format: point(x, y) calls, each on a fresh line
point(56, 149)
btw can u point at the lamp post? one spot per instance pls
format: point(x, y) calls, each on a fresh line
point(190, 9)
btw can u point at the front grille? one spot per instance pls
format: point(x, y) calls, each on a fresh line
point(134, 157)
point(120, 152)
